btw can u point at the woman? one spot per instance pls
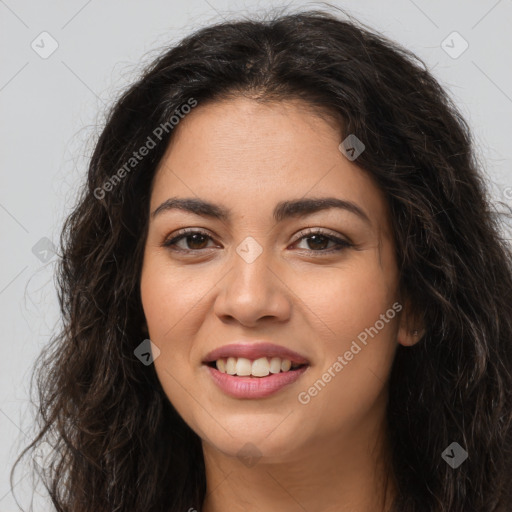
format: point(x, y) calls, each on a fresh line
point(283, 288)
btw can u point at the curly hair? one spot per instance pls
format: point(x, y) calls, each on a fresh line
point(118, 443)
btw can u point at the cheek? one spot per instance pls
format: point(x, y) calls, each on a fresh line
point(356, 314)
point(167, 303)
point(168, 300)
point(169, 297)
point(342, 301)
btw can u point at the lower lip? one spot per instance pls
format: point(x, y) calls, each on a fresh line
point(254, 387)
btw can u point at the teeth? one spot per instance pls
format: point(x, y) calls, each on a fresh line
point(243, 366)
point(230, 366)
point(275, 365)
point(221, 365)
point(286, 364)
point(261, 367)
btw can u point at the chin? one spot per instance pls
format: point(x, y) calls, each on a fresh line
point(279, 445)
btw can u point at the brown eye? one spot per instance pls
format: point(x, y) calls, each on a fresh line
point(317, 241)
point(195, 240)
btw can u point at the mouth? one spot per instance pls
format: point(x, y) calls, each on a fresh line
point(261, 378)
point(255, 358)
point(254, 368)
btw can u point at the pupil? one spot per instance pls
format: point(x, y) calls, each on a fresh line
point(316, 238)
point(195, 240)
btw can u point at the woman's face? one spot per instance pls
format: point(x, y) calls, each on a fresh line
point(258, 275)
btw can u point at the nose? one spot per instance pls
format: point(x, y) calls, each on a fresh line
point(252, 291)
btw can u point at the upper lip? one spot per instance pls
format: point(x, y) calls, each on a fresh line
point(254, 350)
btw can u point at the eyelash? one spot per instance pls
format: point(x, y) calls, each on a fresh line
point(307, 233)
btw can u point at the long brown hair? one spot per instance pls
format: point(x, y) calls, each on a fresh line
point(119, 444)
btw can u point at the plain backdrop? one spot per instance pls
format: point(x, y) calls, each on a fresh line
point(64, 62)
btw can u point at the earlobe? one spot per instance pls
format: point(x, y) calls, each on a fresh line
point(411, 329)
point(410, 337)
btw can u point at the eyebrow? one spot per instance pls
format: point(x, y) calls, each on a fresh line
point(283, 210)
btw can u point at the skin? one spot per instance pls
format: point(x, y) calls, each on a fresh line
point(330, 454)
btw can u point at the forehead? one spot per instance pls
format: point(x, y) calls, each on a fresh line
point(250, 156)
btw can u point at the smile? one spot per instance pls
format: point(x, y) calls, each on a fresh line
point(243, 378)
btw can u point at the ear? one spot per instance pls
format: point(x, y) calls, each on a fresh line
point(411, 326)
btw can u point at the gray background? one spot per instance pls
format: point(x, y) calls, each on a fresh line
point(50, 108)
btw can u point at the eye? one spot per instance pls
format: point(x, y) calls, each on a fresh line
point(196, 239)
point(193, 236)
point(319, 239)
